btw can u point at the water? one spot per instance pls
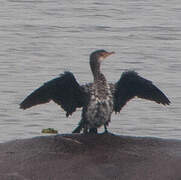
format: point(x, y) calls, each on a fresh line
point(40, 39)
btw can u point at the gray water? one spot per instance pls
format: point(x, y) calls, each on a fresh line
point(40, 39)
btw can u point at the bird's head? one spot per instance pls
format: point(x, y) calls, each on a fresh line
point(96, 58)
point(100, 55)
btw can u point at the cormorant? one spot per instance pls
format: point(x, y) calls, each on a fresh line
point(98, 99)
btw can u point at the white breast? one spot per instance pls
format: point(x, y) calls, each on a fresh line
point(99, 111)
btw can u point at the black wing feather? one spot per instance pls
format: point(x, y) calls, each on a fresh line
point(131, 85)
point(64, 90)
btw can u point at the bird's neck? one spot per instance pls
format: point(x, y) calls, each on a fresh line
point(100, 85)
point(97, 74)
point(96, 71)
point(99, 78)
point(95, 67)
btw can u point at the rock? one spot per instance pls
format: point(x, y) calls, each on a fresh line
point(90, 157)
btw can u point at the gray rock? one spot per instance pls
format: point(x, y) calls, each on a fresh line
point(90, 157)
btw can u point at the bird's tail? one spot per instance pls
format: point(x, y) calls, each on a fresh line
point(79, 128)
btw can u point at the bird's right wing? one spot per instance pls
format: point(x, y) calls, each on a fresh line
point(64, 90)
point(132, 85)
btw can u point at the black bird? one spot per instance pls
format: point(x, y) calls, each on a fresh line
point(98, 99)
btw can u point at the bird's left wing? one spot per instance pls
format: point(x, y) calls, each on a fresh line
point(64, 90)
point(132, 85)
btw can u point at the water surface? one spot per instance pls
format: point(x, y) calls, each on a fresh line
point(41, 39)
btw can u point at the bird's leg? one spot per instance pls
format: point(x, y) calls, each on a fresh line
point(93, 130)
point(105, 128)
point(85, 131)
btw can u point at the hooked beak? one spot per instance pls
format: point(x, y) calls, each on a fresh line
point(111, 52)
point(108, 54)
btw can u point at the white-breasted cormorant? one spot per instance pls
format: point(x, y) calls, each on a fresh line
point(98, 99)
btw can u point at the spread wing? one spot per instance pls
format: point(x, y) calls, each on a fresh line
point(64, 90)
point(132, 85)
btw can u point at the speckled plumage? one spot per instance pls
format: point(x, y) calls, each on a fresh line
point(98, 99)
point(100, 107)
